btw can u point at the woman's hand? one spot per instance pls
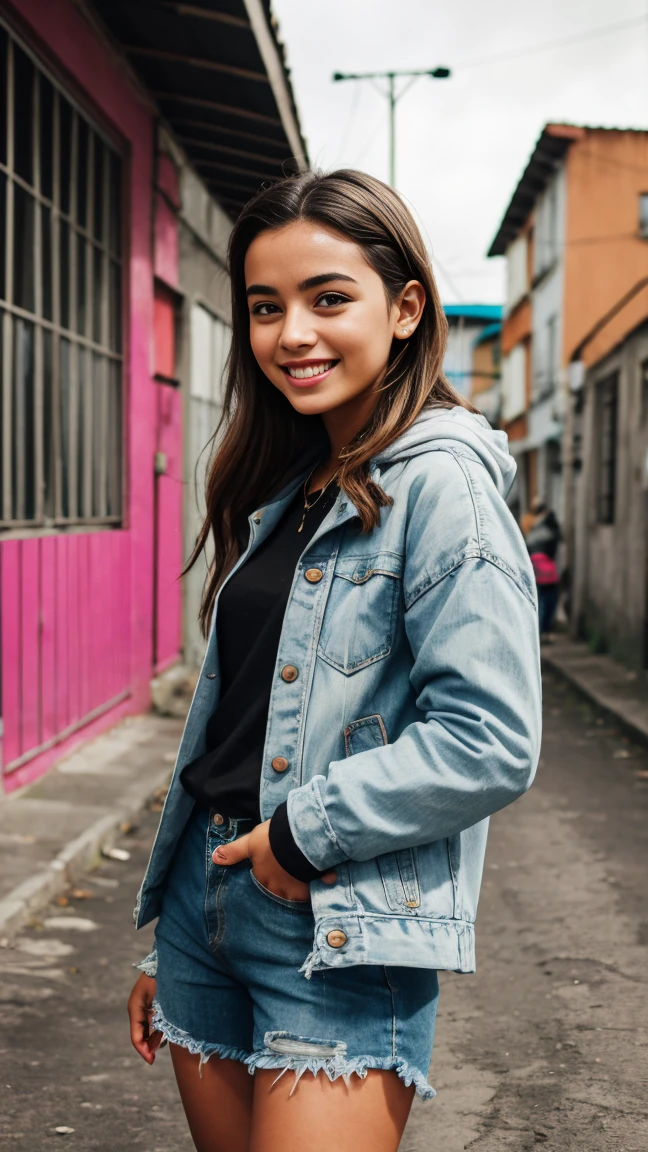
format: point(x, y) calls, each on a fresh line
point(255, 845)
point(140, 1011)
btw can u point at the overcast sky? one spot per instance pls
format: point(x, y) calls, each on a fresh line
point(462, 143)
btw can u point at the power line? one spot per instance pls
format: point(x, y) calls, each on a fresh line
point(370, 139)
point(393, 96)
point(344, 137)
point(549, 45)
point(461, 299)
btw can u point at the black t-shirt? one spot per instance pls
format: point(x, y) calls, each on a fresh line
point(248, 628)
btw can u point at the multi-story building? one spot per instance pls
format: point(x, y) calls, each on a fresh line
point(131, 133)
point(486, 391)
point(467, 326)
point(574, 237)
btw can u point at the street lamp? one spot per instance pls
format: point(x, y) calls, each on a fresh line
point(393, 98)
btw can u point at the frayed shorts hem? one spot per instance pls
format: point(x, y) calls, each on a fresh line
point(335, 1066)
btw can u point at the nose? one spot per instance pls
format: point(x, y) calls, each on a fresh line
point(297, 330)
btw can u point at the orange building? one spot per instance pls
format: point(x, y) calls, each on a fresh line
point(575, 238)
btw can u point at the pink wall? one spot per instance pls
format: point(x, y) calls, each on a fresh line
point(168, 607)
point(93, 643)
point(66, 639)
point(168, 490)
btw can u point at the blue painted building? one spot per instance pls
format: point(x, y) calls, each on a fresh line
point(469, 325)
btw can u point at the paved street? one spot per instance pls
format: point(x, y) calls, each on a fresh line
point(547, 1045)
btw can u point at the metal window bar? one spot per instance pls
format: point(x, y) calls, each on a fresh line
point(87, 359)
point(38, 306)
point(84, 452)
point(7, 343)
point(102, 462)
point(73, 360)
point(56, 316)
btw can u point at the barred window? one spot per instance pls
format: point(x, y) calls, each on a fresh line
point(60, 304)
point(607, 392)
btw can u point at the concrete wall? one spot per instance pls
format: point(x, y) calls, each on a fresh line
point(611, 559)
point(204, 283)
point(604, 256)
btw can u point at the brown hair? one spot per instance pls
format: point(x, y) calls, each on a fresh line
point(262, 434)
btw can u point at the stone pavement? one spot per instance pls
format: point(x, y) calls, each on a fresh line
point(622, 693)
point(52, 831)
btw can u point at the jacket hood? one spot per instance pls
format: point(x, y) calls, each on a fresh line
point(462, 427)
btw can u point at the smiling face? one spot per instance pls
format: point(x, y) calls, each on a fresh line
point(321, 328)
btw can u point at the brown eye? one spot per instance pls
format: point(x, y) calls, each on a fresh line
point(332, 299)
point(265, 309)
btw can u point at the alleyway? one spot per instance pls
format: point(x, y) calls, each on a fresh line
point(548, 1044)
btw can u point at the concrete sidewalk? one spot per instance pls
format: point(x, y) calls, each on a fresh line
point(620, 692)
point(52, 831)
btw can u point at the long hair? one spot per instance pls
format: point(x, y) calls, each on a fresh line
point(261, 436)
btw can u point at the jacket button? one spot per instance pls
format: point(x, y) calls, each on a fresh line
point(218, 819)
point(280, 763)
point(211, 675)
point(313, 575)
point(336, 938)
point(289, 673)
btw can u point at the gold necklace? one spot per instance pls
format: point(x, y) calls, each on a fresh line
point(307, 506)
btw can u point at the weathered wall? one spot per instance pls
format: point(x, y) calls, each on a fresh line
point(204, 233)
point(610, 559)
point(604, 254)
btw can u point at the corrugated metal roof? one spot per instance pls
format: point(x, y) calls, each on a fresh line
point(206, 66)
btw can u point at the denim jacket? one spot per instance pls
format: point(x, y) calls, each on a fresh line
point(416, 709)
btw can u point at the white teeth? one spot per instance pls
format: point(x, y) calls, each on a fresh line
point(310, 370)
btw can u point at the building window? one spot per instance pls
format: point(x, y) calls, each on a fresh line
point(547, 227)
point(643, 215)
point(607, 399)
point(60, 305)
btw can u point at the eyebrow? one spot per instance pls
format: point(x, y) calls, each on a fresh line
point(323, 278)
point(261, 290)
point(311, 282)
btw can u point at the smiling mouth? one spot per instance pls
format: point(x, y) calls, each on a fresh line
point(309, 371)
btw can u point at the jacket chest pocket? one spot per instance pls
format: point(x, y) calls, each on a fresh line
point(361, 611)
point(398, 870)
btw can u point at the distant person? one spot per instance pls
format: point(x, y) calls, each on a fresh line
point(542, 539)
point(369, 696)
point(530, 516)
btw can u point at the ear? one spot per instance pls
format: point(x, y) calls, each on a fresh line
point(409, 309)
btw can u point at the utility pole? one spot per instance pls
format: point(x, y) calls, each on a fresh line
point(393, 97)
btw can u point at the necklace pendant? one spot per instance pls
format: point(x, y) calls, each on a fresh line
point(302, 520)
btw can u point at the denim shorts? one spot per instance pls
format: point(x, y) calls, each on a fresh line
point(228, 979)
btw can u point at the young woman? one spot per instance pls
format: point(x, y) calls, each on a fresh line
point(369, 696)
